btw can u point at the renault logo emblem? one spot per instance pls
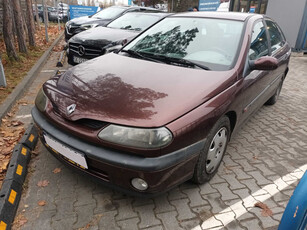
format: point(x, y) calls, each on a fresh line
point(81, 50)
point(70, 109)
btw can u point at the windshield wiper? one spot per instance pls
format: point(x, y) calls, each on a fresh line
point(139, 55)
point(181, 61)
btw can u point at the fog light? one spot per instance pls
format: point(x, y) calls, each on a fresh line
point(139, 184)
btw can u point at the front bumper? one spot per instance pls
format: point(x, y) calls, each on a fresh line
point(117, 169)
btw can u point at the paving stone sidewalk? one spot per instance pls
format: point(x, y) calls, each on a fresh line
point(263, 163)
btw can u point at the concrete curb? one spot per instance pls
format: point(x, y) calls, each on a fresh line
point(12, 186)
point(26, 82)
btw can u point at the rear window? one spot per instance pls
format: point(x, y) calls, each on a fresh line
point(137, 22)
point(109, 13)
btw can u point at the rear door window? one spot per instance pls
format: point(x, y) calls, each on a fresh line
point(276, 38)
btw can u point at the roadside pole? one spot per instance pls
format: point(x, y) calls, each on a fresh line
point(45, 21)
point(58, 13)
point(2, 75)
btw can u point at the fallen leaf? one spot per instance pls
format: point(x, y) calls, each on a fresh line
point(35, 152)
point(266, 211)
point(16, 123)
point(7, 150)
point(43, 183)
point(56, 170)
point(4, 163)
point(42, 203)
point(22, 221)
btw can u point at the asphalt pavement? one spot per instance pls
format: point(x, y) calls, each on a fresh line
point(264, 163)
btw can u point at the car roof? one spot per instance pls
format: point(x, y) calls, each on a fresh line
point(238, 16)
point(159, 14)
point(139, 7)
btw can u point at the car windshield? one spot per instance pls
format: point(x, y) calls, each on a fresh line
point(136, 21)
point(109, 13)
point(211, 43)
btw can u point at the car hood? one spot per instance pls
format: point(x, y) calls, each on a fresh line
point(89, 20)
point(128, 91)
point(100, 36)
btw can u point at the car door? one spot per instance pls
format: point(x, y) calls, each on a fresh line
point(279, 49)
point(255, 82)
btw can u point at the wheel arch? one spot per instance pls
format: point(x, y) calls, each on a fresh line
point(232, 116)
point(286, 72)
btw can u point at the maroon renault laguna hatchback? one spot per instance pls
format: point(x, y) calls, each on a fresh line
point(161, 111)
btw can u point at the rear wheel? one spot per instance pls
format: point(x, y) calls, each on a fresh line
point(214, 149)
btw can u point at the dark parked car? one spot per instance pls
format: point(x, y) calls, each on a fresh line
point(101, 18)
point(162, 110)
point(52, 13)
point(100, 40)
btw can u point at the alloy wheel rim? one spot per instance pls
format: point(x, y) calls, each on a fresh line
point(216, 150)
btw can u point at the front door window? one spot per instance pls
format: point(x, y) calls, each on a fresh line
point(259, 42)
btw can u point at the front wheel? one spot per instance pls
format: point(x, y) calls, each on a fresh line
point(214, 149)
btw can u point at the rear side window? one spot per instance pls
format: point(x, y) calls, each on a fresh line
point(259, 43)
point(276, 37)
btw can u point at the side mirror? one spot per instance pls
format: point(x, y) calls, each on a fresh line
point(263, 63)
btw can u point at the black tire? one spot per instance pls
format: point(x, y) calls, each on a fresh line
point(275, 97)
point(203, 171)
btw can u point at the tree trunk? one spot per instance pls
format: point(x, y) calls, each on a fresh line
point(20, 32)
point(30, 20)
point(24, 22)
point(8, 30)
point(37, 17)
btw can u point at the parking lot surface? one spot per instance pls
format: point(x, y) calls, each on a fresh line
point(264, 163)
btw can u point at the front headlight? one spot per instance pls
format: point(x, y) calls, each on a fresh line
point(136, 137)
point(41, 100)
point(88, 26)
point(115, 46)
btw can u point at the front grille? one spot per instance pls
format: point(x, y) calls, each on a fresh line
point(93, 124)
point(89, 51)
point(90, 123)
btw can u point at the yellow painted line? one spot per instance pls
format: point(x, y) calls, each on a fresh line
point(31, 138)
point(3, 225)
point(24, 151)
point(12, 196)
point(19, 169)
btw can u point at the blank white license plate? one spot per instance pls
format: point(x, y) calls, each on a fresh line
point(78, 59)
point(66, 151)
